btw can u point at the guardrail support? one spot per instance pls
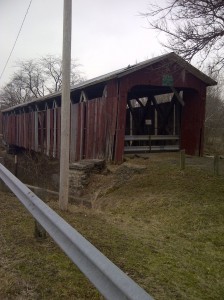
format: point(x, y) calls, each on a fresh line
point(39, 232)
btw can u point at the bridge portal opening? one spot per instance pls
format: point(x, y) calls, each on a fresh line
point(153, 118)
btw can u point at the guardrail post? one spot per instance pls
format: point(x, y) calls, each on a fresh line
point(216, 165)
point(182, 159)
point(2, 186)
point(16, 165)
point(39, 232)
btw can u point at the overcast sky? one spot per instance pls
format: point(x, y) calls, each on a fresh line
point(106, 34)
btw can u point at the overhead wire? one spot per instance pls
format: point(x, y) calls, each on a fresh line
point(20, 29)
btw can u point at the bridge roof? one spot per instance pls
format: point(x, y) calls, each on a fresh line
point(124, 72)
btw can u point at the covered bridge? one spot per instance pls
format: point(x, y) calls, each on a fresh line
point(155, 105)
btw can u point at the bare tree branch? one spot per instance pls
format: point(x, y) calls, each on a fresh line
point(195, 29)
point(36, 78)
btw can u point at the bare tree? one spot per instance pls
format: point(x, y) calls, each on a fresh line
point(214, 122)
point(32, 76)
point(52, 68)
point(15, 92)
point(36, 78)
point(194, 29)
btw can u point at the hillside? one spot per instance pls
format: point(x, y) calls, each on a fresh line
point(162, 226)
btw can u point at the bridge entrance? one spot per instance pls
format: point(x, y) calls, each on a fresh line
point(153, 121)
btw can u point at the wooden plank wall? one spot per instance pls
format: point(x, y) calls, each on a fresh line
point(95, 129)
point(77, 131)
point(1, 119)
point(111, 123)
point(93, 126)
point(92, 134)
point(74, 131)
point(58, 130)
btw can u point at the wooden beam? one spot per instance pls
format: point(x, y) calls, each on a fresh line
point(147, 105)
point(104, 95)
point(133, 115)
point(139, 102)
point(166, 117)
point(83, 97)
point(178, 97)
point(157, 107)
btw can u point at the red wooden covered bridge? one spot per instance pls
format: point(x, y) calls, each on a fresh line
point(155, 105)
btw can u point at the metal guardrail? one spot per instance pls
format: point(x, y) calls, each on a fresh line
point(111, 282)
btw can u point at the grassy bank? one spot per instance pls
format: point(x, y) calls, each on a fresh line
point(164, 227)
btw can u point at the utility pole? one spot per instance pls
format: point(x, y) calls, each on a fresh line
point(65, 106)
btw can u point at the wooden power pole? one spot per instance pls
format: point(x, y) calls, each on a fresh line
point(65, 106)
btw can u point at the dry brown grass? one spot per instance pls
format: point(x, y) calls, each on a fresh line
point(162, 226)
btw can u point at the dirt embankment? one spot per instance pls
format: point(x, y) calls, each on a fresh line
point(163, 226)
point(38, 170)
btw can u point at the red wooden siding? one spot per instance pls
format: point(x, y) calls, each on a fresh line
point(58, 129)
point(1, 119)
point(93, 126)
point(77, 132)
point(98, 125)
point(192, 127)
point(95, 129)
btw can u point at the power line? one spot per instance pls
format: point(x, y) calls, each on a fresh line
point(16, 39)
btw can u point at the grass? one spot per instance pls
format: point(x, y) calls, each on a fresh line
point(163, 227)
